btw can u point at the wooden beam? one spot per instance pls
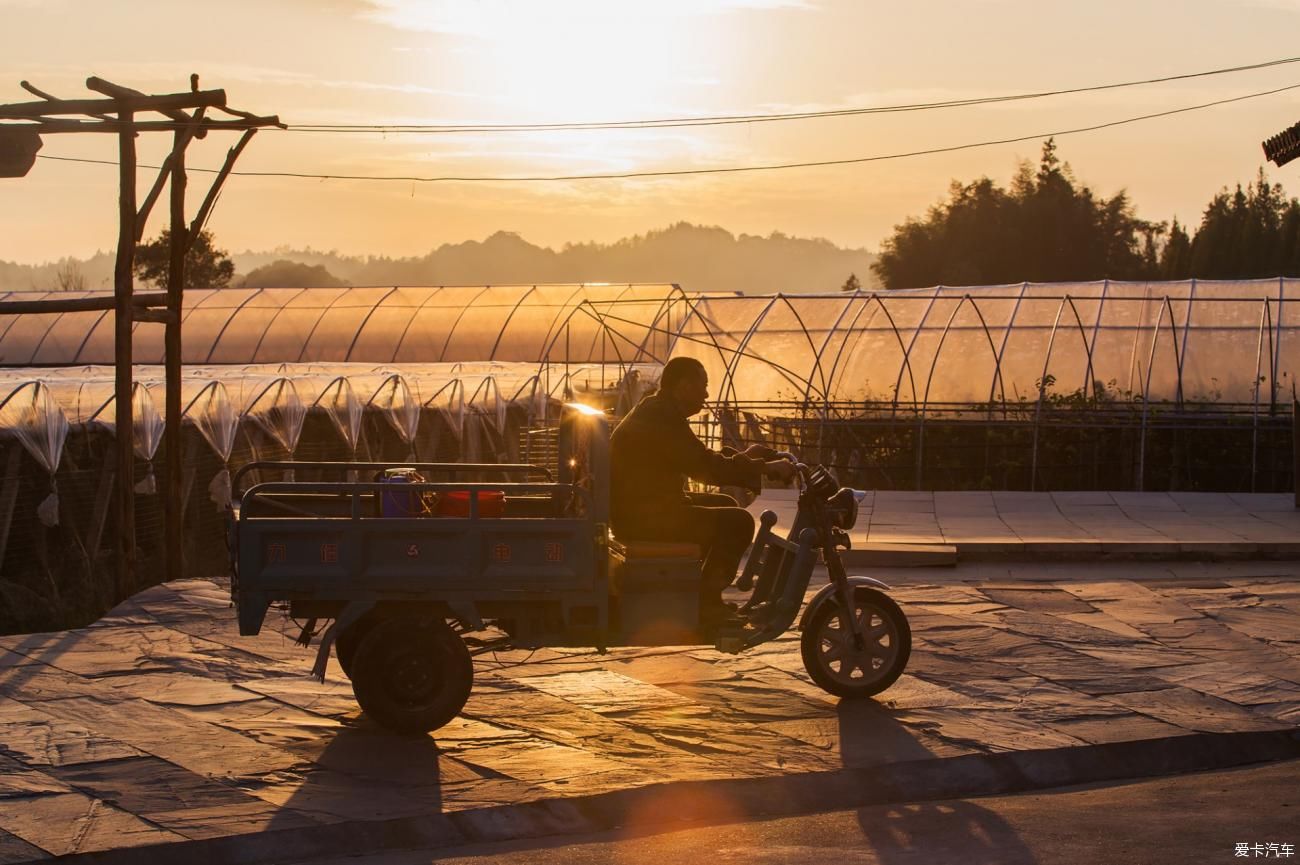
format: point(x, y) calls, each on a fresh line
point(35, 91)
point(79, 304)
point(173, 550)
point(143, 216)
point(162, 102)
point(123, 287)
point(202, 216)
point(155, 316)
point(117, 91)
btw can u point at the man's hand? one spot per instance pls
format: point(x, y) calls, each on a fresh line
point(779, 470)
point(760, 452)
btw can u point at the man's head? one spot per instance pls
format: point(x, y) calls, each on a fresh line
point(685, 382)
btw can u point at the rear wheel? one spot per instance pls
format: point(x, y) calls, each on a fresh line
point(348, 641)
point(835, 663)
point(411, 674)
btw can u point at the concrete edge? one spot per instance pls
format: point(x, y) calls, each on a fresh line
point(1210, 551)
point(663, 807)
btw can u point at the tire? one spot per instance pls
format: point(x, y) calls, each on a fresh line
point(828, 653)
point(412, 674)
point(348, 641)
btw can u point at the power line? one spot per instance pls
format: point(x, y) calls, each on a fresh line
point(725, 119)
point(702, 171)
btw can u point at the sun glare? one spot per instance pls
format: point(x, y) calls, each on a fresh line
point(571, 60)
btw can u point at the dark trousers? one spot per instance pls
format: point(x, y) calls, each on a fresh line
point(722, 529)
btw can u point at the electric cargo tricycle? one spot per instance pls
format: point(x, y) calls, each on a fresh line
point(417, 570)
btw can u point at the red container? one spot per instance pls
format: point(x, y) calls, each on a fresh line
point(491, 503)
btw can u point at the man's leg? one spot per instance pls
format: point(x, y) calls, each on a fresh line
point(722, 530)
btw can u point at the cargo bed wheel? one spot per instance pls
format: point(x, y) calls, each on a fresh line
point(348, 641)
point(411, 674)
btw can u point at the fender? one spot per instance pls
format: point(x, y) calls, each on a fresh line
point(827, 594)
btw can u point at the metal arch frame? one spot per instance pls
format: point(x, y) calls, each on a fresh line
point(55, 323)
point(246, 411)
point(866, 303)
point(482, 387)
point(1006, 337)
point(1146, 387)
point(1137, 337)
point(679, 333)
point(729, 367)
point(907, 353)
point(434, 291)
point(1277, 344)
point(603, 331)
point(398, 378)
point(90, 330)
point(226, 325)
point(925, 404)
point(830, 333)
point(48, 328)
point(906, 363)
point(534, 380)
point(13, 319)
point(347, 357)
point(39, 387)
point(345, 382)
point(216, 385)
point(451, 331)
point(1091, 377)
point(1042, 378)
point(270, 324)
point(1187, 323)
point(492, 355)
point(316, 324)
point(458, 394)
point(1265, 316)
point(817, 361)
point(554, 328)
point(665, 309)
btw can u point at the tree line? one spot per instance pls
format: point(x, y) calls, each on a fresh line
point(1049, 227)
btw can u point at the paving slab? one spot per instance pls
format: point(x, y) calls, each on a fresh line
point(160, 726)
point(1078, 526)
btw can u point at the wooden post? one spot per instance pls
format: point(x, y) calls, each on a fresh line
point(123, 374)
point(175, 522)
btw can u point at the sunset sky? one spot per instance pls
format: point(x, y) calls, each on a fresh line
point(495, 61)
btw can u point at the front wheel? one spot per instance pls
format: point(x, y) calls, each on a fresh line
point(412, 674)
point(836, 665)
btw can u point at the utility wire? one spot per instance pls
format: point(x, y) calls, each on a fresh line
point(725, 119)
point(701, 171)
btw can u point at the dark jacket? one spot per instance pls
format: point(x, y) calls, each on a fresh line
point(652, 453)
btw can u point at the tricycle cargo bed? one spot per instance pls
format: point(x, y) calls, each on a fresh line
point(331, 542)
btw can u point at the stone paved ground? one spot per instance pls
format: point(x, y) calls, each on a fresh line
point(160, 723)
point(1075, 523)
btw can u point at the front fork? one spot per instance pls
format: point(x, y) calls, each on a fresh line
point(840, 579)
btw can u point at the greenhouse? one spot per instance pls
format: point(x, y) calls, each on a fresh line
point(1100, 385)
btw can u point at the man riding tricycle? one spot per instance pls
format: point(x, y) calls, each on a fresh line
point(418, 571)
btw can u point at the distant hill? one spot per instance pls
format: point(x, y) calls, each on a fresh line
point(699, 258)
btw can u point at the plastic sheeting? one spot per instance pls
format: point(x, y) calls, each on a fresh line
point(529, 323)
point(31, 415)
point(1193, 342)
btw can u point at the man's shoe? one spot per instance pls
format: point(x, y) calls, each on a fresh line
point(714, 612)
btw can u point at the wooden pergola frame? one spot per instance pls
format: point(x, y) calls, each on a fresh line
point(184, 115)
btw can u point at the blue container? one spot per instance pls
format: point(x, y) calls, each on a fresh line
point(398, 502)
